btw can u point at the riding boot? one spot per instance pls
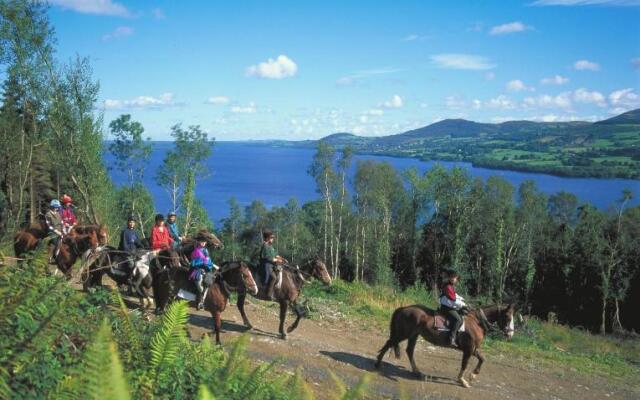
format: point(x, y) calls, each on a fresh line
point(452, 339)
point(199, 296)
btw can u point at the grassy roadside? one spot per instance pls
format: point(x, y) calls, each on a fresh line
point(536, 344)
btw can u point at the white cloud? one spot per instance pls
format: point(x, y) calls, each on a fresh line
point(249, 109)
point(374, 112)
point(476, 104)
point(554, 80)
point(118, 33)
point(586, 65)
point(586, 2)
point(635, 62)
point(501, 102)
point(563, 100)
point(462, 61)
point(454, 102)
point(624, 99)
point(517, 85)
point(217, 100)
point(489, 75)
point(413, 37)
point(163, 101)
point(511, 27)
point(424, 105)
point(582, 95)
point(97, 7)
point(281, 67)
point(158, 13)
point(395, 102)
point(363, 119)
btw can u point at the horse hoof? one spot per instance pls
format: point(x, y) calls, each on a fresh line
point(420, 376)
point(473, 377)
point(289, 329)
point(378, 364)
point(464, 383)
point(283, 336)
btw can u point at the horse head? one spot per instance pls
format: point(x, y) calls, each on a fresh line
point(505, 321)
point(212, 240)
point(101, 233)
point(169, 258)
point(247, 278)
point(318, 269)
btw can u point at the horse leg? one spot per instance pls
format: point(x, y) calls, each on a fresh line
point(217, 323)
point(476, 371)
point(383, 351)
point(240, 304)
point(299, 315)
point(283, 315)
point(411, 346)
point(466, 354)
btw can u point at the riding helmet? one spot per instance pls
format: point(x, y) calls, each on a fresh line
point(55, 203)
point(66, 199)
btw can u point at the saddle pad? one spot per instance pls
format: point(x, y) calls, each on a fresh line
point(184, 294)
point(442, 324)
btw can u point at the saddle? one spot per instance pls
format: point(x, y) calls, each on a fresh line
point(442, 323)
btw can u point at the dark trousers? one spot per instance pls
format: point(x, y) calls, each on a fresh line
point(454, 318)
point(268, 272)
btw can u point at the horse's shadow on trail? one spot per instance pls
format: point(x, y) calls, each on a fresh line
point(389, 371)
point(206, 322)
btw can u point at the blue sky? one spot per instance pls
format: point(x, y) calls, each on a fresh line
point(306, 69)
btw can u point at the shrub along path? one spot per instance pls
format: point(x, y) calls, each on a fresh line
point(335, 344)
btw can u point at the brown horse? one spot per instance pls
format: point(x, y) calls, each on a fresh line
point(72, 248)
point(230, 278)
point(413, 321)
point(288, 290)
point(171, 282)
point(27, 239)
point(99, 230)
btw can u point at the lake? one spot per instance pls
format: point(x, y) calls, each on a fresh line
point(254, 171)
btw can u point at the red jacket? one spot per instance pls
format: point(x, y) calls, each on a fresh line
point(449, 291)
point(160, 240)
point(68, 217)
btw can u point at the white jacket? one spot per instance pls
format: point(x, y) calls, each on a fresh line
point(457, 304)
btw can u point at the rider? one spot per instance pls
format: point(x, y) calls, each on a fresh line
point(200, 264)
point(268, 260)
point(130, 241)
point(160, 238)
point(173, 229)
point(450, 303)
point(69, 219)
point(54, 223)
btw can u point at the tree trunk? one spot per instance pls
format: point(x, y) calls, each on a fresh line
point(604, 315)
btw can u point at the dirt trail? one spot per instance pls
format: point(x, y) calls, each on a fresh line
point(349, 350)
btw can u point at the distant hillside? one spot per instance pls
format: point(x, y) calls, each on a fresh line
point(630, 117)
point(608, 148)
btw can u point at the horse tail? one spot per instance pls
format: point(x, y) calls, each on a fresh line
point(394, 334)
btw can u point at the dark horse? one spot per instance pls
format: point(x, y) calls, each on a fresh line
point(100, 231)
point(232, 276)
point(28, 239)
point(417, 320)
point(73, 248)
point(287, 291)
point(188, 244)
point(115, 263)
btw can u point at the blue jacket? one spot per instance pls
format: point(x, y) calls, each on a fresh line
point(129, 240)
point(173, 232)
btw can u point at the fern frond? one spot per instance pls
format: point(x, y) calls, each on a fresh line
point(166, 342)
point(132, 334)
point(299, 388)
point(340, 387)
point(359, 390)
point(100, 375)
point(255, 380)
point(235, 360)
point(204, 394)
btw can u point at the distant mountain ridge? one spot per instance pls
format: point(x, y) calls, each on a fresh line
point(607, 148)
